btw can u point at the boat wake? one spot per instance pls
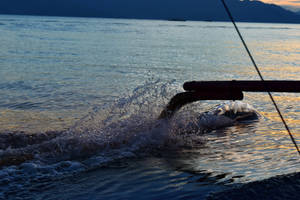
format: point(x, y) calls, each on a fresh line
point(125, 129)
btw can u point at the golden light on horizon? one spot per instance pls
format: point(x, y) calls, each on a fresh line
point(283, 2)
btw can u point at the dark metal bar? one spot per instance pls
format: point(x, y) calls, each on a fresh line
point(246, 86)
point(181, 99)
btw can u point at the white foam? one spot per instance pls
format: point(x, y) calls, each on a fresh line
point(235, 106)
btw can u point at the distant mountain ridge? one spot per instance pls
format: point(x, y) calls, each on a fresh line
point(246, 10)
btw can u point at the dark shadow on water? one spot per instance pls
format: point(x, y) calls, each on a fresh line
point(279, 187)
point(146, 178)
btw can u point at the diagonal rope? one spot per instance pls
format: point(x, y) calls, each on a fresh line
point(261, 77)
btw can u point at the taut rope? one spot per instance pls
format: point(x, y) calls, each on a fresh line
point(260, 75)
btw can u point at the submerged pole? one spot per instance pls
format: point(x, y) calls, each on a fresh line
point(224, 90)
point(181, 99)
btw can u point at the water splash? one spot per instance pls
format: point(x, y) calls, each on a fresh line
point(129, 126)
point(124, 129)
point(129, 122)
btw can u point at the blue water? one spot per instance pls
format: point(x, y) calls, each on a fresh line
point(79, 100)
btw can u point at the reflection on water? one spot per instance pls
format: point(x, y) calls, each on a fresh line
point(54, 65)
point(243, 153)
point(99, 85)
point(34, 121)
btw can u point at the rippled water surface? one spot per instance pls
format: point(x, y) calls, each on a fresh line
point(79, 100)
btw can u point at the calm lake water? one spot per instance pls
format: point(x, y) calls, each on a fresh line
point(79, 100)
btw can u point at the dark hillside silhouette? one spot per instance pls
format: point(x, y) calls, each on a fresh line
point(248, 11)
